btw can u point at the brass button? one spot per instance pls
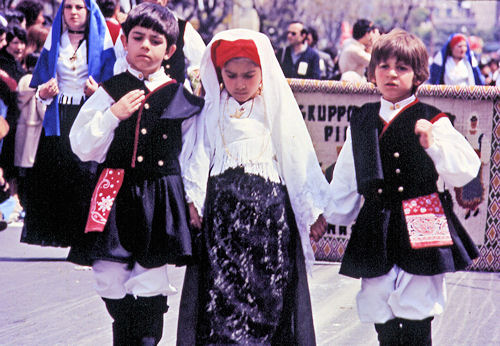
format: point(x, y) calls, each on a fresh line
point(164, 136)
point(398, 171)
point(140, 158)
point(146, 106)
point(161, 163)
point(396, 154)
point(141, 76)
point(144, 131)
point(379, 191)
point(400, 189)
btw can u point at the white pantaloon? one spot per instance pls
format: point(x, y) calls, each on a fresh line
point(400, 294)
point(114, 280)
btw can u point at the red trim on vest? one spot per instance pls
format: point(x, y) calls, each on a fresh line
point(386, 126)
point(136, 136)
point(437, 117)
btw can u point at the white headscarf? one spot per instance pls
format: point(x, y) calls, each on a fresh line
point(297, 162)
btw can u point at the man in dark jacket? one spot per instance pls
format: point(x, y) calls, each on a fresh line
point(298, 60)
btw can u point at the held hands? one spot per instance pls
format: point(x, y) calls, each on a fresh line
point(128, 104)
point(318, 228)
point(195, 219)
point(90, 86)
point(423, 129)
point(49, 89)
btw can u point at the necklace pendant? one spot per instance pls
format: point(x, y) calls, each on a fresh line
point(238, 113)
point(73, 58)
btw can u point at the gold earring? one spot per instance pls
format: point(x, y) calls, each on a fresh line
point(221, 86)
point(259, 90)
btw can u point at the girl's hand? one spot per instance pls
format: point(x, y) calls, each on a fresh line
point(128, 104)
point(195, 219)
point(423, 129)
point(318, 228)
point(90, 86)
point(49, 89)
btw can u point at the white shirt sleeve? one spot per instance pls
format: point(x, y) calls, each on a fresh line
point(345, 201)
point(455, 160)
point(193, 47)
point(93, 130)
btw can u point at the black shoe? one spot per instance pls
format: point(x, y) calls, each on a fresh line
point(3, 225)
point(476, 212)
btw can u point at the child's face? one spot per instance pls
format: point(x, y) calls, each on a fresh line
point(395, 79)
point(241, 78)
point(75, 14)
point(16, 48)
point(146, 49)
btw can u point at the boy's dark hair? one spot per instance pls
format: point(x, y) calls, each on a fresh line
point(406, 47)
point(31, 10)
point(361, 27)
point(16, 31)
point(155, 17)
point(107, 7)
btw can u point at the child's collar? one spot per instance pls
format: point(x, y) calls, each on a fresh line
point(151, 78)
point(389, 106)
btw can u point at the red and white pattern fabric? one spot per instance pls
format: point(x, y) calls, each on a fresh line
point(426, 222)
point(105, 192)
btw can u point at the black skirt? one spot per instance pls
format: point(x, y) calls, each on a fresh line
point(380, 239)
point(57, 190)
point(147, 224)
point(250, 286)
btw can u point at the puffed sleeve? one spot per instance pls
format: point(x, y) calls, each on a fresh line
point(93, 129)
point(345, 201)
point(195, 162)
point(455, 160)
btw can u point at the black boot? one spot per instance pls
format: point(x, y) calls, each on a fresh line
point(417, 333)
point(389, 333)
point(121, 312)
point(148, 319)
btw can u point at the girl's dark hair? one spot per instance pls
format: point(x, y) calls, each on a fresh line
point(406, 47)
point(31, 10)
point(14, 31)
point(155, 17)
point(107, 7)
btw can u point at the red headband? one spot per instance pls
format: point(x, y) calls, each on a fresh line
point(223, 51)
point(456, 40)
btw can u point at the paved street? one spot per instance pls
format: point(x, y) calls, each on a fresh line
point(47, 301)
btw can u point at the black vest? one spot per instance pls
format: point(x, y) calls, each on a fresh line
point(175, 67)
point(390, 163)
point(149, 142)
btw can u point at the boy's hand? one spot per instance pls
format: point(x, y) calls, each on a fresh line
point(318, 228)
point(128, 104)
point(423, 129)
point(49, 89)
point(90, 86)
point(195, 219)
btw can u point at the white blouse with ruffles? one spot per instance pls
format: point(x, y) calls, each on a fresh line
point(244, 139)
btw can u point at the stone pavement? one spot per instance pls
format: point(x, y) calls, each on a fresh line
point(47, 301)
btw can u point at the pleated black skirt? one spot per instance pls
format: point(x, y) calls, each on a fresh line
point(57, 190)
point(147, 224)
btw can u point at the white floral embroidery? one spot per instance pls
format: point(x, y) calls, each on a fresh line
point(105, 204)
